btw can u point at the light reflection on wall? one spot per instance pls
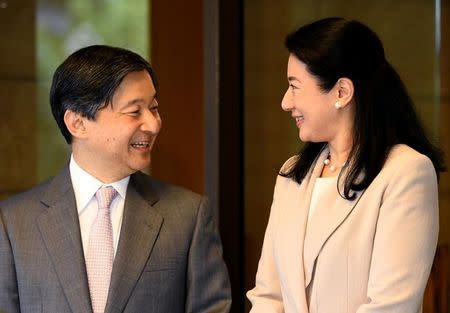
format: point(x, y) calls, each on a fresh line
point(64, 27)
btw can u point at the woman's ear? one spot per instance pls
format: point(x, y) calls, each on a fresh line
point(345, 91)
point(75, 123)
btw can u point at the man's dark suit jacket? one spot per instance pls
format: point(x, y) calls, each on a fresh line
point(168, 260)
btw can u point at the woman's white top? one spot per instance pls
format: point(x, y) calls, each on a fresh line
point(322, 186)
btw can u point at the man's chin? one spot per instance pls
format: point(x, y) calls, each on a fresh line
point(142, 167)
point(145, 170)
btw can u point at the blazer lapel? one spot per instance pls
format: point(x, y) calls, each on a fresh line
point(140, 228)
point(60, 231)
point(290, 236)
point(330, 212)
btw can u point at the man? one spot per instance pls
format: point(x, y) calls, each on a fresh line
point(102, 236)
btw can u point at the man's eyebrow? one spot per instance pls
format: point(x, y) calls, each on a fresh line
point(135, 101)
point(291, 78)
point(139, 100)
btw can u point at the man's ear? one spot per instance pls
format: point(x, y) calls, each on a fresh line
point(75, 123)
point(345, 91)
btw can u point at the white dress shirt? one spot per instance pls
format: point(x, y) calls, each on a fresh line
point(85, 186)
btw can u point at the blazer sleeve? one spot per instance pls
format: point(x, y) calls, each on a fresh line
point(208, 286)
point(9, 296)
point(266, 295)
point(405, 240)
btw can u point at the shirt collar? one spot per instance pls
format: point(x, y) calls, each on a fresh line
point(85, 185)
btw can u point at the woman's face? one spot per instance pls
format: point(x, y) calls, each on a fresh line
point(313, 109)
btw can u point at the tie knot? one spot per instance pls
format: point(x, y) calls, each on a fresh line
point(105, 196)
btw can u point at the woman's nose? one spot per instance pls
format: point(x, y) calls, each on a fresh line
point(287, 101)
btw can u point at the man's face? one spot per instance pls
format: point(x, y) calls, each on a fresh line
point(119, 141)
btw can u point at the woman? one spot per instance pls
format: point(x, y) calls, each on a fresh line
point(354, 221)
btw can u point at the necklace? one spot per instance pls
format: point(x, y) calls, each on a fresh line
point(332, 167)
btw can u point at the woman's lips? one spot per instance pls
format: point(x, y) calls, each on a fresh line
point(299, 120)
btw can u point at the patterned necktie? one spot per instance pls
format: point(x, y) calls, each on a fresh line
point(100, 254)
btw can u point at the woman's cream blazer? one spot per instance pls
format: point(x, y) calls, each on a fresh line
point(372, 254)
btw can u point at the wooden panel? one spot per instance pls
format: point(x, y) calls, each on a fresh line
point(17, 97)
point(231, 145)
point(18, 145)
point(17, 39)
point(444, 123)
point(177, 57)
point(437, 293)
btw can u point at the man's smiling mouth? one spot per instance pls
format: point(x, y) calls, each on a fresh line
point(140, 144)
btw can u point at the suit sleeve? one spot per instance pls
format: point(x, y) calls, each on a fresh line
point(208, 286)
point(9, 297)
point(405, 240)
point(266, 295)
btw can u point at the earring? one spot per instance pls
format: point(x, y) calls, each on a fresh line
point(338, 105)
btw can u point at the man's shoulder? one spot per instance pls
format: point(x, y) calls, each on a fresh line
point(173, 202)
point(163, 189)
point(30, 195)
point(24, 205)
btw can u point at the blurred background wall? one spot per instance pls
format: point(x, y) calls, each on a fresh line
point(222, 72)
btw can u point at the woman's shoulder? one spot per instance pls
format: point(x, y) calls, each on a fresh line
point(402, 157)
point(404, 153)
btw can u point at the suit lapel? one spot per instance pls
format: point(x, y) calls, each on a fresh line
point(140, 228)
point(330, 212)
point(60, 231)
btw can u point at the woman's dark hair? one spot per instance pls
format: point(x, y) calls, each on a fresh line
point(336, 47)
point(87, 80)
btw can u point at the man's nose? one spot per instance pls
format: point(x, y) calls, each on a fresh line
point(151, 122)
point(287, 101)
